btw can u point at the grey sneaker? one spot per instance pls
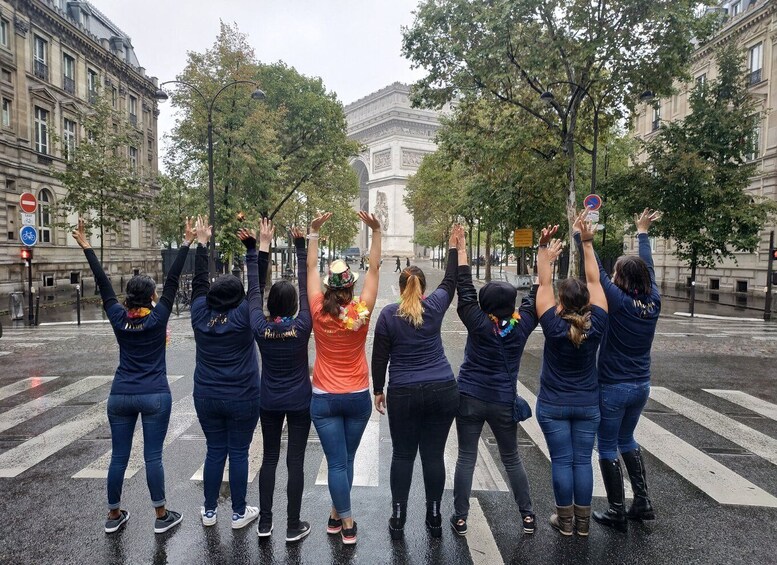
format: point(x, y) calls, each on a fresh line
point(170, 520)
point(114, 525)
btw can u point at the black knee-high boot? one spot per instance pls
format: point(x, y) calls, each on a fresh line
point(641, 508)
point(615, 516)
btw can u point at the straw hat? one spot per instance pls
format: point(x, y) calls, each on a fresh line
point(340, 276)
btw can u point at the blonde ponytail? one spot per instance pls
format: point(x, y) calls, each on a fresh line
point(410, 306)
point(579, 324)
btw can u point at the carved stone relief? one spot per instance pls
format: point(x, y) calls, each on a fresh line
point(411, 158)
point(381, 210)
point(381, 160)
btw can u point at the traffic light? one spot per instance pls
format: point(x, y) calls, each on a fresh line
point(26, 254)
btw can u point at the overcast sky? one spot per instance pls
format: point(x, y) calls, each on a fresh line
point(353, 45)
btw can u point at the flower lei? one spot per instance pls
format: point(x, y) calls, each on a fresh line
point(507, 325)
point(354, 316)
point(280, 320)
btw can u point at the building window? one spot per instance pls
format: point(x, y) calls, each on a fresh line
point(11, 217)
point(741, 286)
point(133, 111)
point(6, 119)
point(714, 284)
point(92, 85)
point(40, 58)
point(44, 215)
point(41, 130)
point(133, 157)
point(701, 80)
point(115, 98)
point(657, 115)
point(755, 141)
point(69, 138)
point(7, 76)
point(754, 64)
point(68, 74)
point(736, 7)
point(47, 279)
point(652, 241)
point(4, 25)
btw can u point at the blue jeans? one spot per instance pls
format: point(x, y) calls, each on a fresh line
point(570, 432)
point(621, 406)
point(123, 411)
point(228, 426)
point(340, 421)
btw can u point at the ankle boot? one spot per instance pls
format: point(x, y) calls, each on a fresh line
point(434, 518)
point(641, 508)
point(397, 520)
point(615, 516)
point(562, 520)
point(582, 519)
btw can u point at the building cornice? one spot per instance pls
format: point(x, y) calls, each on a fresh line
point(377, 95)
point(736, 27)
point(395, 127)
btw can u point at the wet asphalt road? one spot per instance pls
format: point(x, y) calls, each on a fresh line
point(50, 517)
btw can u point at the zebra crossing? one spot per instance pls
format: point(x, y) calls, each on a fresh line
point(694, 465)
point(754, 329)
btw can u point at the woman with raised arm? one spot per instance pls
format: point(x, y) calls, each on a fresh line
point(140, 385)
point(285, 385)
point(568, 401)
point(422, 393)
point(488, 380)
point(340, 407)
point(226, 383)
point(624, 376)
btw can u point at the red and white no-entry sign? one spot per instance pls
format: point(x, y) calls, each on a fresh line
point(28, 202)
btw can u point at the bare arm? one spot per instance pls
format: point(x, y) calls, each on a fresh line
point(369, 293)
point(595, 289)
point(545, 297)
point(313, 278)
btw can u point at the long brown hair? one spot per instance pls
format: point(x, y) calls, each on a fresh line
point(412, 284)
point(575, 303)
point(336, 297)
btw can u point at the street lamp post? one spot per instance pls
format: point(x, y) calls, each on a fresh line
point(257, 94)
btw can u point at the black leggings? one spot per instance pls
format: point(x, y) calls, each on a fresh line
point(420, 417)
point(298, 430)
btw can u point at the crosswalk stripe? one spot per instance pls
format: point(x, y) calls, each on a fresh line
point(23, 385)
point(23, 412)
point(182, 417)
point(734, 431)
point(766, 409)
point(366, 463)
point(255, 453)
point(486, 476)
point(20, 458)
point(480, 539)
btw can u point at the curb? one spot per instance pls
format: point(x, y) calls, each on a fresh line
point(713, 317)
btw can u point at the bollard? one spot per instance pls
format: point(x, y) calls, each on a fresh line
point(78, 303)
point(37, 307)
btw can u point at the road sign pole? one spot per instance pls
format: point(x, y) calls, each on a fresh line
point(769, 271)
point(30, 313)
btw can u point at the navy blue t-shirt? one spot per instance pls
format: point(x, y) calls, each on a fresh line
point(568, 376)
point(227, 366)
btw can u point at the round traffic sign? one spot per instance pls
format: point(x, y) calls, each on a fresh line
point(28, 202)
point(28, 236)
point(593, 202)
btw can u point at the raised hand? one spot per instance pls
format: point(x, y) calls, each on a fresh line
point(266, 231)
point(555, 247)
point(79, 234)
point(369, 220)
point(644, 220)
point(189, 231)
point(319, 221)
point(248, 237)
point(461, 239)
point(456, 232)
point(297, 233)
point(587, 229)
point(203, 230)
point(581, 218)
point(547, 233)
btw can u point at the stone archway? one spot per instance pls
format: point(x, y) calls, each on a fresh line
point(363, 175)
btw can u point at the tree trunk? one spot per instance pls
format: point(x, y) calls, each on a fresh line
point(488, 255)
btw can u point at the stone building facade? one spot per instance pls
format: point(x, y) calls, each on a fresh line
point(752, 24)
point(55, 57)
point(395, 138)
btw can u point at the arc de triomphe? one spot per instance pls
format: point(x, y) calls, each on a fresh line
point(395, 137)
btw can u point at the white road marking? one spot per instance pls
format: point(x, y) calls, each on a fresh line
point(20, 458)
point(734, 431)
point(181, 418)
point(486, 476)
point(23, 385)
point(766, 409)
point(367, 460)
point(23, 412)
point(480, 539)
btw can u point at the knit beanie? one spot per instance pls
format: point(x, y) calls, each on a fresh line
point(498, 299)
point(225, 293)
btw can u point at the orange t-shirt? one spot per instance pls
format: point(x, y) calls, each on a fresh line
point(341, 361)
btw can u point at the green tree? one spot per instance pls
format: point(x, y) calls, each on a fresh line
point(171, 206)
point(596, 57)
point(103, 186)
point(698, 170)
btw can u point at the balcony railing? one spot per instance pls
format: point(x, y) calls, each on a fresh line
point(69, 85)
point(133, 118)
point(41, 70)
point(754, 77)
point(656, 124)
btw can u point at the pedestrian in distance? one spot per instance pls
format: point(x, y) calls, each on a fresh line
point(568, 401)
point(140, 386)
point(399, 266)
point(361, 264)
point(285, 388)
point(488, 377)
point(407, 262)
point(340, 406)
point(226, 383)
point(634, 304)
point(422, 397)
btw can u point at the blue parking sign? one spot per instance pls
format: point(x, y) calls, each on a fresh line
point(28, 235)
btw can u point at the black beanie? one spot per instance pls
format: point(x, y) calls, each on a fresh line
point(225, 293)
point(498, 298)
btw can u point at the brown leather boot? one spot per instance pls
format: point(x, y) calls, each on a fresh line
point(562, 520)
point(582, 519)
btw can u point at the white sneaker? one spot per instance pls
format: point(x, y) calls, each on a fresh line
point(251, 513)
point(208, 516)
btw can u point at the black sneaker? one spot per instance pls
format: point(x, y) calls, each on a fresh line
point(170, 520)
point(264, 529)
point(114, 525)
point(349, 535)
point(529, 524)
point(296, 534)
point(459, 525)
point(333, 527)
